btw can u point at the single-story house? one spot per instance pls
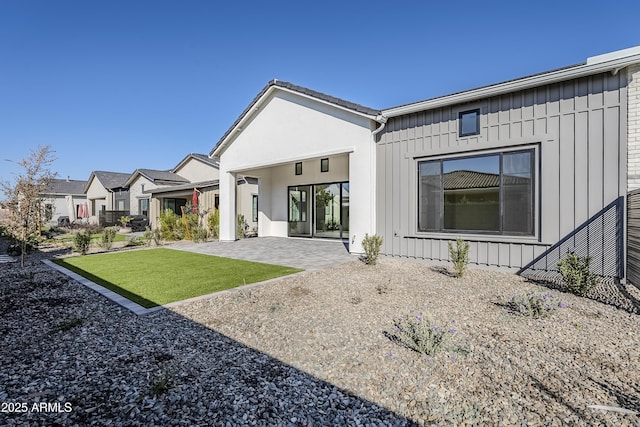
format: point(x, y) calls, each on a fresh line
point(107, 192)
point(63, 197)
point(142, 181)
point(153, 191)
point(523, 170)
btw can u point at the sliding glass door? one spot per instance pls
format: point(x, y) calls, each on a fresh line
point(319, 210)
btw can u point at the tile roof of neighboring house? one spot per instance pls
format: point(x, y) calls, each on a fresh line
point(66, 187)
point(201, 184)
point(202, 157)
point(182, 187)
point(302, 90)
point(109, 180)
point(463, 179)
point(159, 177)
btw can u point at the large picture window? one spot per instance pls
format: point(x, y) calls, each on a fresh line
point(485, 194)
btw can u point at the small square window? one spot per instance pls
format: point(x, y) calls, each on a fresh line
point(299, 168)
point(324, 165)
point(469, 122)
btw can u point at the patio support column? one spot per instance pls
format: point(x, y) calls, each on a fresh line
point(228, 206)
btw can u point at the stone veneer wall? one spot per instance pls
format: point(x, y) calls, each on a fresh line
point(633, 127)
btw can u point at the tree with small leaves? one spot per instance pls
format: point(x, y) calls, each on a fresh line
point(23, 195)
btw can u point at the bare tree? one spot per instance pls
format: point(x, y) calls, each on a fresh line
point(24, 195)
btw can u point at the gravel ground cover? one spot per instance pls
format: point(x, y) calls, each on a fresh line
point(313, 350)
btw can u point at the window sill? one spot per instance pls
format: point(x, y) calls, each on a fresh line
point(498, 238)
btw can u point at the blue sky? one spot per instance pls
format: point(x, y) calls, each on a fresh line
point(119, 85)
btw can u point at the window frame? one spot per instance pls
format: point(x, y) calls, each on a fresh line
point(298, 168)
point(254, 207)
point(324, 165)
point(477, 129)
point(535, 195)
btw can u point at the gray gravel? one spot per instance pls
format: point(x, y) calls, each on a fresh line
point(311, 350)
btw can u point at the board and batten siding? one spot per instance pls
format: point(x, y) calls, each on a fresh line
point(578, 128)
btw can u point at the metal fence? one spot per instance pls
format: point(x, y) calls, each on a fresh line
point(633, 237)
point(111, 218)
point(601, 238)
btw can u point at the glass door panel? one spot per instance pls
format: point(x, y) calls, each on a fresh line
point(344, 211)
point(299, 211)
point(327, 210)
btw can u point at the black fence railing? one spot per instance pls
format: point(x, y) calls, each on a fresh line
point(601, 238)
point(111, 218)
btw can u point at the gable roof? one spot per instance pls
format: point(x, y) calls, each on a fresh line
point(277, 84)
point(66, 187)
point(109, 180)
point(613, 61)
point(157, 177)
point(197, 156)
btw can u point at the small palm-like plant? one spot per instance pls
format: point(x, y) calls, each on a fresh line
point(459, 256)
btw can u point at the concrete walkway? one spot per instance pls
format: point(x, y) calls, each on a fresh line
point(308, 254)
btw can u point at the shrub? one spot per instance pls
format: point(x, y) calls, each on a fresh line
point(125, 220)
point(242, 226)
point(162, 383)
point(82, 241)
point(171, 228)
point(540, 304)
point(199, 234)
point(133, 241)
point(417, 333)
point(214, 224)
point(147, 236)
point(459, 256)
point(371, 246)
point(576, 274)
point(107, 236)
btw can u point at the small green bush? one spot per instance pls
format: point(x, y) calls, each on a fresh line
point(214, 224)
point(107, 237)
point(371, 246)
point(419, 334)
point(199, 234)
point(242, 226)
point(162, 383)
point(171, 227)
point(535, 304)
point(576, 274)
point(82, 241)
point(459, 256)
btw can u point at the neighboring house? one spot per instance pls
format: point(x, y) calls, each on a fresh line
point(142, 181)
point(63, 197)
point(522, 170)
point(152, 191)
point(107, 192)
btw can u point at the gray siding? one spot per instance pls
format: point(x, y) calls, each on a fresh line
point(633, 237)
point(578, 130)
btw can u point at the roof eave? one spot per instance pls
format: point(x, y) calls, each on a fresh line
point(217, 151)
point(514, 85)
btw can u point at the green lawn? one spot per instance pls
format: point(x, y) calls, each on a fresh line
point(160, 276)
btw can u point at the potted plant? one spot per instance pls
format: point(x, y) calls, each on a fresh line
point(125, 220)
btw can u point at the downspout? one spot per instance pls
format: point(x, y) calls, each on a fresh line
point(383, 121)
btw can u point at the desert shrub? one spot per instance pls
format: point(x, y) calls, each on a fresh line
point(241, 226)
point(133, 241)
point(576, 274)
point(459, 256)
point(161, 383)
point(417, 333)
point(68, 324)
point(171, 227)
point(371, 246)
point(199, 234)
point(82, 241)
point(535, 304)
point(107, 237)
point(147, 236)
point(214, 224)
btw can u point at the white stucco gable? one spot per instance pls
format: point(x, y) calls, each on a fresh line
point(286, 124)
